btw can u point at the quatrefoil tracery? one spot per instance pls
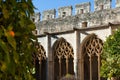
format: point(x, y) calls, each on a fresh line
point(41, 54)
point(63, 49)
point(94, 46)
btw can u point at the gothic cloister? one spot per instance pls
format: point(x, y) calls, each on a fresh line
point(76, 53)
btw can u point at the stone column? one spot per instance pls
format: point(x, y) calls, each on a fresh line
point(59, 67)
point(81, 72)
point(98, 67)
point(50, 59)
point(40, 65)
point(90, 59)
point(77, 55)
point(81, 59)
point(67, 65)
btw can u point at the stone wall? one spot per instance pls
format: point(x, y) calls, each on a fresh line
point(49, 14)
point(82, 19)
point(82, 8)
point(65, 11)
point(35, 17)
point(117, 3)
point(102, 4)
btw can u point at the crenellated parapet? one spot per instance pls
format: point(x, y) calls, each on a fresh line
point(65, 11)
point(82, 8)
point(49, 14)
point(117, 3)
point(35, 17)
point(83, 17)
point(79, 9)
point(102, 4)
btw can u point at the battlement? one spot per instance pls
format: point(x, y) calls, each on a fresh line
point(83, 17)
point(49, 14)
point(35, 17)
point(65, 11)
point(79, 9)
point(82, 8)
point(117, 3)
point(102, 4)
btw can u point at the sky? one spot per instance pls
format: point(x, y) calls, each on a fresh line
point(42, 5)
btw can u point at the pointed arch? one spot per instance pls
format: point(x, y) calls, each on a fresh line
point(63, 49)
point(41, 54)
point(63, 58)
point(91, 42)
point(90, 50)
point(40, 62)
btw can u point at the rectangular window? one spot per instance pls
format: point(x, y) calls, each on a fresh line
point(84, 24)
point(48, 16)
point(81, 11)
point(101, 7)
point(63, 14)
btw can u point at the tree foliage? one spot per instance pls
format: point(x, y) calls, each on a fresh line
point(16, 39)
point(111, 56)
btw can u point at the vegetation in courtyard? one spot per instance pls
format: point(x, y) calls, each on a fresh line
point(68, 77)
point(111, 56)
point(16, 39)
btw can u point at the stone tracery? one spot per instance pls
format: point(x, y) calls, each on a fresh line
point(40, 60)
point(41, 54)
point(63, 50)
point(93, 46)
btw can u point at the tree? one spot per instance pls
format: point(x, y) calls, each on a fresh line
point(16, 39)
point(111, 56)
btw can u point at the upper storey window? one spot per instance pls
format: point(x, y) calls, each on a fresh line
point(84, 24)
point(102, 4)
point(48, 16)
point(81, 11)
point(63, 14)
point(101, 7)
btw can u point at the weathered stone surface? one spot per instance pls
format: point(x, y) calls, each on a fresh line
point(66, 21)
point(35, 17)
point(117, 3)
point(82, 8)
point(49, 14)
point(102, 4)
point(64, 11)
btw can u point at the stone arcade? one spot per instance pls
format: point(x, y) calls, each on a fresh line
point(72, 44)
